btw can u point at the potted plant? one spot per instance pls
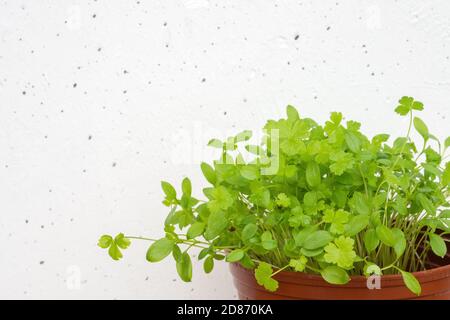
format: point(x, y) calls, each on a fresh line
point(316, 212)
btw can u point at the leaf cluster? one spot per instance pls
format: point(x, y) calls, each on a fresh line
point(338, 204)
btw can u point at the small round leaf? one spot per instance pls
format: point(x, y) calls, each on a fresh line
point(335, 275)
point(159, 250)
point(235, 255)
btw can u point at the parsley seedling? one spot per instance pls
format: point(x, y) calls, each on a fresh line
point(338, 204)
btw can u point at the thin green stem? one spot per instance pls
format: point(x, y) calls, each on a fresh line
point(140, 238)
point(279, 270)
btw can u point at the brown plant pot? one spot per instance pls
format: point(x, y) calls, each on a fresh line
point(435, 284)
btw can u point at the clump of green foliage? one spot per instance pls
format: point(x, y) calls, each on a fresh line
point(338, 203)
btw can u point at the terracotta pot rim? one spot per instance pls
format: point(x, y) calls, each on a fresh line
point(435, 283)
point(441, 270)
point(291, 276)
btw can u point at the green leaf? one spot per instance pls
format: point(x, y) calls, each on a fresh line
point(406, 104)
point(203, 253)
point(417, 105)
point(352, 142)
point(311, 253)
point(447, 143)
point(339, 197)
point(159, 250)
point(432, 169)
point(432, 156)
point(298, 264)
point(310, 199)
point(176, 253)
point(217, 222)
point(283, 200)
point(250, 172)
point(386, 235)
point(444, 220)
point(402, 110)
point(400, 242)
point(341, 252)
point(356, 224)
point(208, 265)
point(337, 219)
point(361, 203)
point(298, 220)
point(249, 231)
point(390, 177)
point(336, 117)
point(267, 241)
point(247, 262)
point(195, 230)
point(411, 282)
point(184, 267)
point(371, 240)
point(380, 138)
point(114, 252)
point(105, 241)
point(215, 143)
point(209, 173)
point(313, 176)
point(426, 204)
point(186, 187)
point(421, 127)
point(121, 241)
point(317, 239)
point(219, 256)
point(335, 275)
point(301, 235)
point(445, 179)
point(171, 218)
point(114, 245)
point(292, 146)
point(438, 245)
point(401, 206)
point(221, 199)
point(169, 190)
point(372, 268)
point(263, 276)
point(341, 162)
point(235, 255)
point(261, 198)
point(292, 113)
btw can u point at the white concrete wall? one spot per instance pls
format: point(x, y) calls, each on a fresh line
point(79, 161)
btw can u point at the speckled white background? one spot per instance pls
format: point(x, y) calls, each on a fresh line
point(100, 100)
